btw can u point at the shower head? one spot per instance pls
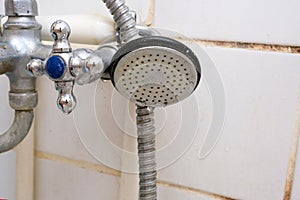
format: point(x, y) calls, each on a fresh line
point(155, 71)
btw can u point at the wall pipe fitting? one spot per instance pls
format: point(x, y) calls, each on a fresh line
point(21, 40)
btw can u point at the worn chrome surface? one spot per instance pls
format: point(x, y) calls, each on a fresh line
point(19, 42)
point(18, 131)
point(23, 101)
point(21, 8)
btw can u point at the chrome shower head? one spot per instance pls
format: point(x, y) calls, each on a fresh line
point(155, 71)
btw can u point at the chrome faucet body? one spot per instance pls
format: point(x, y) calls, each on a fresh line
point(23, 58)
point(66, 67)
point(20, 40)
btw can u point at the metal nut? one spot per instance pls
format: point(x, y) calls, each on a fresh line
point(23, 101)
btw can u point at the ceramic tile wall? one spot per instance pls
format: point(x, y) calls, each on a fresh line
point(252, 157)
point(63, 181)
point(270, 21)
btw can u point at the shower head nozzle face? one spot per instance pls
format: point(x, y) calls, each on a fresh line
point(155, 71)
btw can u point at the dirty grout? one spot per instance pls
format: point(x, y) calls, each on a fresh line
point(194, 190)
point(293, 156)
point(78, 163)
point(150, 18)
point(250, 46)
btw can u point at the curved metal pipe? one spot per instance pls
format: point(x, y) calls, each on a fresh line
point(3, 70)
point(21, 41)
point(18, 131)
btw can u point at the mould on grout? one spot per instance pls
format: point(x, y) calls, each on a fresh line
point(293, 156)
point(251, 46)
point(150, 18)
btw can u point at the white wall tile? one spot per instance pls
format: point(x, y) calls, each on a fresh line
point(8, 175)
point(69, 7)
point(234, 20)
point(72, 135)
point(61, 181)
point(270, 21)
point(250, 160)
point(55, 132)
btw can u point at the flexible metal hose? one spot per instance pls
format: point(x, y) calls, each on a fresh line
point(123, 18)
point(146, 153)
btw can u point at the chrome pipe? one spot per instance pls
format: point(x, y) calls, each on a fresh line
point(18, 131)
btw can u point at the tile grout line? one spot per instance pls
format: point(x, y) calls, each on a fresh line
point(230, 44)
point(150, 18)
point(250, 46)
point(190, 189)
point(293, 156)
point(109, 171)
point(78, 163)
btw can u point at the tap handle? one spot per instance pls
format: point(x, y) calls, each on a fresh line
point(58, 66)
point(61, 31)
point(66, 100)
point(36, 67)
point(65, 67)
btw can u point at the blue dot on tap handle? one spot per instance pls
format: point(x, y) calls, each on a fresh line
point(55, 67)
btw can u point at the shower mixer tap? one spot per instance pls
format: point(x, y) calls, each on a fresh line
point(20, 45)
point(65, 67)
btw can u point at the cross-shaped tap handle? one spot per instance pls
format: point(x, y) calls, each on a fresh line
point(57, 66)
point(65, 67)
